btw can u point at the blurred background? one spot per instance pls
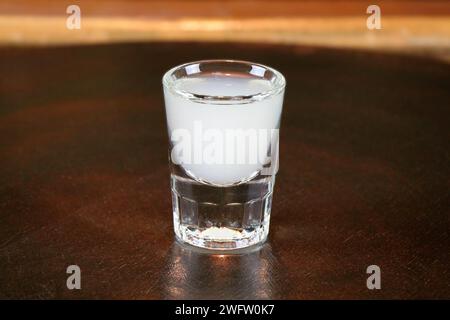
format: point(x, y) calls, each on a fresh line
point(418, 27)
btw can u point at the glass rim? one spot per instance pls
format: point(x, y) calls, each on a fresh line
point(277, 85)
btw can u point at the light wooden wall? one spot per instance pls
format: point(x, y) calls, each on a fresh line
point(420, 27)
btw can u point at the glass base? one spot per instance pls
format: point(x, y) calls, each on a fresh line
point(221, 238)
point(222, 218)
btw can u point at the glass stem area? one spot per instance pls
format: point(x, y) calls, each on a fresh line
point(222, 218)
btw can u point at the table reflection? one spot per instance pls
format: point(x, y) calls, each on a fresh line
point(195, 274)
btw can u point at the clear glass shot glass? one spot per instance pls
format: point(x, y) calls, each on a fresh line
point(223, 119)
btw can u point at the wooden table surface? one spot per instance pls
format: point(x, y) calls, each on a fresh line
point(364, 177)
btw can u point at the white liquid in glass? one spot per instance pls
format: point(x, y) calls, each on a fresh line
point(187, 114)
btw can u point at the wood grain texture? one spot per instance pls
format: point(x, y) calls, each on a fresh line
point(364, 177)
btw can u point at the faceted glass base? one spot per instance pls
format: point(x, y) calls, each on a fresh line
point(222, 218)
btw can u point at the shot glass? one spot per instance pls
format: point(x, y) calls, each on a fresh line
point(223, 119)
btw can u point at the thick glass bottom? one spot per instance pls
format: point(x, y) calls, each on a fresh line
point(222, 218)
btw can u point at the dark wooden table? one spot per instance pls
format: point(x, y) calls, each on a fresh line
point(364, 177)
